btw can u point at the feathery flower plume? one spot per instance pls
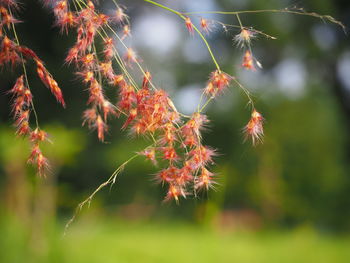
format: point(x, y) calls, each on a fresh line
point(13, 53)
point(218, 82)
point(244, 38)
point(150, 154)
point(90, 117)
point(130, 56)
point(248, 61)
point(108, 49)
point(254, 128)
point(175, 192)
point(189, 25)
point(204, 180)
point(205, 26)
point(9, 52)
point(101, 128)
point(38, 160)
point(126, 31)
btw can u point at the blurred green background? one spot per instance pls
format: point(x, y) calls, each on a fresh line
point(287, 200)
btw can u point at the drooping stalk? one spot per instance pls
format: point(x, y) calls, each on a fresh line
point(194, 27)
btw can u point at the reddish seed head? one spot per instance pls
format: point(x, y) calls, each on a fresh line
point(138, 127)
point(119, 80)
point(73, 55)
point(195, 124)
point(150, 154)
point(102, 19)
point(210, 89)
point(66, 20)
point(164, 176)
point(169, 136)
point(91, 5)
point(173, 116)
point(56, 91)
point(89, 117)
point(22, 99)
point(23, 128)
point(130, 56)
point(108, 50)
point(96, 95)
point(27, 97)
point(8, 52)
point(61, 6)
point(184, 176)
point(7, 19)
point(248, 61)
point(90, 33)
point(205, 25)
point(126, 31)
point(42, 164)
point(37, 158)
point(27, 52)
point(7, 43)
point(141, 96)
point(169, 154)
point(218, 82)
point(254, 128)
point(201, 156)
point(107, 70)
point(42, 72)
point(18, 105)
point(107, 109)
point(131, 117)
point(221, 80)
point(190, 140)
point(175, 192)
point(18, 88)
point(35, 151)
point(101, 128)
point(127, 97)
point(87, 76)
point(189, 25)
point(88, 60)
point(86, 14)
point(108, 41)
point(38, 136)
point(167, 175)
point(204, 180)
point(84, 41)
point(21, 117)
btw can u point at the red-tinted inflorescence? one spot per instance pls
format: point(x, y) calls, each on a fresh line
point(14, 54)
point(149, 112)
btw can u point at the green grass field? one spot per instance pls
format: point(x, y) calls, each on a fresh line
point(122, 242)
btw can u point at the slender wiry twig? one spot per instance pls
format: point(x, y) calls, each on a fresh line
point(194, 27)
point(111, 180)
point(298, 11)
